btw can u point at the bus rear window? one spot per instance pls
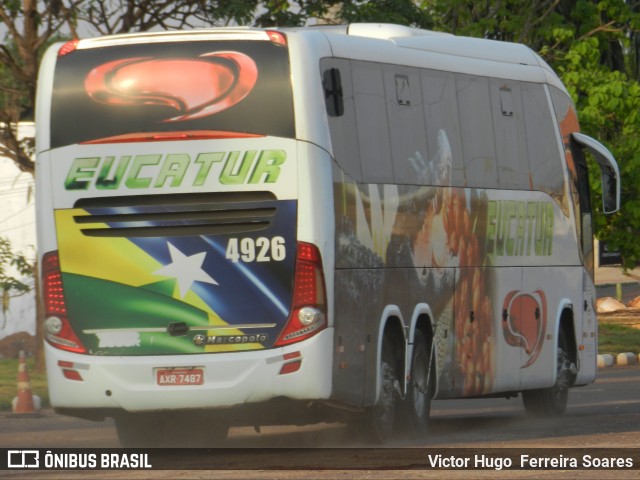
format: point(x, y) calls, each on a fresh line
point(160, 90)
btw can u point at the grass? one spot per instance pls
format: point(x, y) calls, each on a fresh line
point(612, 339)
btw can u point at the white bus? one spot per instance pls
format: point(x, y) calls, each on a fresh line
point(252, 227)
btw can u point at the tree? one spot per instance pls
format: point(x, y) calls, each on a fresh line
point(404, 12)
point(110, 17)
point(16, 275)
point(30, 28)
point(609, 105)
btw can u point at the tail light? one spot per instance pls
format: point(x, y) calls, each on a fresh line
point(58, 331)
point(309, 304)
point(68, 47)
point(277, 37)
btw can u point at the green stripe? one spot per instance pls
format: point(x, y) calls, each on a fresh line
point(95, 304)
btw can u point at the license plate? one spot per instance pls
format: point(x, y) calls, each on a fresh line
point(179, 376)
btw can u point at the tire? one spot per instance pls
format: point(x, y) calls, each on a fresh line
point(417, 404)
point(382, 416)
point(552, 401)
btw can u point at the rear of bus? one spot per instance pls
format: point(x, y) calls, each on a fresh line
point(174, 276)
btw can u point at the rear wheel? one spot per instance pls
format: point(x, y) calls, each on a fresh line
point(552, 401)
point(417, 404)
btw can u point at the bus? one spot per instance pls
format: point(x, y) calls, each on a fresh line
point(241, 226)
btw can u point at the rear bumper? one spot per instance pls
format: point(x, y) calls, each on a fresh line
point(230, 379)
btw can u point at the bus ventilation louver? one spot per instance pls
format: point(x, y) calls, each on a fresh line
point(176, 215)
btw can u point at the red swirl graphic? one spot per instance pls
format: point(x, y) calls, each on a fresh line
point(524, 322)
point(195, 88)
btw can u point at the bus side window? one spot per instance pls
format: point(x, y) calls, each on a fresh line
point(510, 135)
point(440, 111)
point(476, 131)
point(407, 130)
point(544, 155)
point(342, 129)
point(333, 95)
point(371, 125)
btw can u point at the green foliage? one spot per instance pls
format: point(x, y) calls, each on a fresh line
point(13, 265)
point(403, 12)
point(608, 102)
point(16, 272)
point(297, 13)
point(614, 339)
point(290, 14)
point(241, 12)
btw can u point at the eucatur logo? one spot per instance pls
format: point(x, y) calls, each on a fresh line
point(194, 88)
point(524, 322)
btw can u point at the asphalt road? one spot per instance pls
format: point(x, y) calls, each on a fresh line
point(605, 414)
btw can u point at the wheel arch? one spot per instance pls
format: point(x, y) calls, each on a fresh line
point(568, 326)
point(566, 323)
point(422, 320)
point(551, 400)
point(392, 326)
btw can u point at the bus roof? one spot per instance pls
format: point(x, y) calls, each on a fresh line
point(437, 50)
point(235, 33)
point(380, 42)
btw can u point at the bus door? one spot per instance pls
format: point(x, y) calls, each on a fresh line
point(610, 204)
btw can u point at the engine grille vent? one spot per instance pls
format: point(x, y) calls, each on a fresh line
point(176, 215)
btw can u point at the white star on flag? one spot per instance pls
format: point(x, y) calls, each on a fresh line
point(185, 270)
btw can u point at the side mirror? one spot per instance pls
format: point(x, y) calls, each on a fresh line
point(610, 191)
point(609, 169)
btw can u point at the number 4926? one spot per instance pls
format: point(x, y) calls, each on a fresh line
point(261, 249)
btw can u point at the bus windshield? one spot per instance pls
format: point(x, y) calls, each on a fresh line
point(145, 92)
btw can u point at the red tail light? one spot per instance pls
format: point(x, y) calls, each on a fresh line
point(58, 331)
point(277, 37)
point(309, 304)
point(68, 47)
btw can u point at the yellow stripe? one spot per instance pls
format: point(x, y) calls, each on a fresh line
point(109, 258)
